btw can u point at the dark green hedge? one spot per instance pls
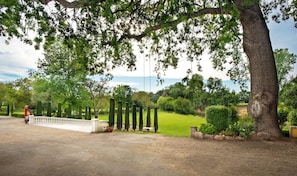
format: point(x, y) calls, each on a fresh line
point(18, 115)
point(219, 116)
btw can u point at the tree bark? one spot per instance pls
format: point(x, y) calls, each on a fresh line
point(264, 86)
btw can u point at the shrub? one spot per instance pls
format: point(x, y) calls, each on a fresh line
point(234, 114)
point(183, 106)
point(293, 118)
point(282, 115)
point(244, 128)
point(218, 116)
point(232, 130)
point(17, 115)
point(208, 129)
point(165, 103)
point(240, 129)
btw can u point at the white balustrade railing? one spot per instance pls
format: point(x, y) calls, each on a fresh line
point(57, 120)
point(93, 125)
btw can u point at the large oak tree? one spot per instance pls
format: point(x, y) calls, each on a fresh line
point(169, 30)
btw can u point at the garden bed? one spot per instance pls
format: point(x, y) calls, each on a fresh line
point(199, 135)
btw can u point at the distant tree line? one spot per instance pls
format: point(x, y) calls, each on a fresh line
point(193, 93)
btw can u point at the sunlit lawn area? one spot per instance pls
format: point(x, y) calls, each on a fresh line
point(170, 123)
point(173, 124)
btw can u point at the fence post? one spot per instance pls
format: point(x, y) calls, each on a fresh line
point(90, 113)
point(148, 117)
point(39, 108)
point(140, 118)
point(156, 120)
point(127, 120)
point(86, 113)
point(120, 116)
point(59, 114)
point(49, 110)
point(134, 117)
point(111, 113)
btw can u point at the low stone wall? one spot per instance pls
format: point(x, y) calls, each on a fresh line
point(198, 135)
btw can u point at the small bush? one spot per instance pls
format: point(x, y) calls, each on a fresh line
point(183, 106)
point(165, 103)
point(234, 114)
point(240, 129)
point(293, 118)
point(219, 116)
point(17, 115)
point(245, 130)
point(232, 130)
point(243, 127)
point(282, 115)
point(208, 129)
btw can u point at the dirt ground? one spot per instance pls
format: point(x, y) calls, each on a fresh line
point(33, 150)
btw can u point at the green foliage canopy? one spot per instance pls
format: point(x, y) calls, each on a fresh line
point(104, 32)
point(288, 94)
point(284, 65)
point(123, 93)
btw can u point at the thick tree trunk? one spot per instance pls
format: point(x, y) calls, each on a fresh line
point(264, 87)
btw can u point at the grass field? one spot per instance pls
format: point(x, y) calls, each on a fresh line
point(171, 124)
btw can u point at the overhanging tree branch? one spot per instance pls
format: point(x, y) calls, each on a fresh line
point(128, 35)
point(179, 19)
point(66, 4)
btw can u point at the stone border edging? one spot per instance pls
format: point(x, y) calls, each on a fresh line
point(199, 135)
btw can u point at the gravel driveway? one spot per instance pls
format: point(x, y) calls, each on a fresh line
point(34, 150)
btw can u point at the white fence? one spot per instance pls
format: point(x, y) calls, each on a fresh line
point(93, 125)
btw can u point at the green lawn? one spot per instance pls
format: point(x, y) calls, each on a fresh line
point(171, 124)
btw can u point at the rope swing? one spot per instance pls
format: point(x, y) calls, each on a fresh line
point(149, 73)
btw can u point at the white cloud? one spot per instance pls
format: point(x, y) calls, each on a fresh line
point(146, 67)
point(16, 59)
point(116, 83)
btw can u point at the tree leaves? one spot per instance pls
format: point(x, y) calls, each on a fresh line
point(284, 64)
point(104, 31)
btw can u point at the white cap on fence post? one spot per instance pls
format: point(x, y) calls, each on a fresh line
point(94, 125)
point(31, 119)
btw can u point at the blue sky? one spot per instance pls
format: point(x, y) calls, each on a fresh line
point(17, 58)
